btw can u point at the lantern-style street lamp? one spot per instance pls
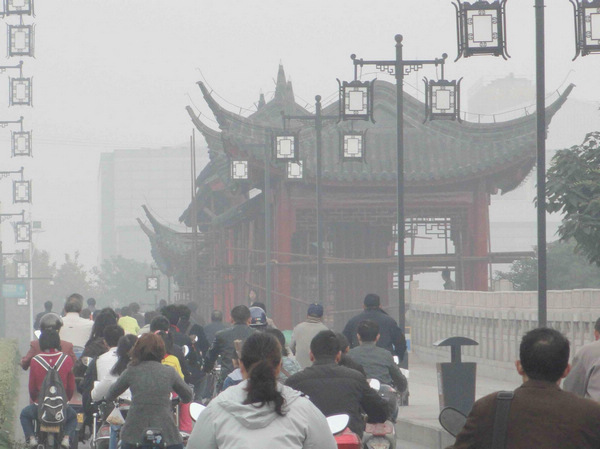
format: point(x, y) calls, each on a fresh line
point(353, 146)
point(481, 28)
point(285, 146)
point(20, 92)
point(18, 7)
point(442, 99)
point(239, 170)
point(152, 283)
point(587, 26)
point(399, 67)
point(356, 99)
point(295, 170)
point(20, 40)
point(21, 143)
point(21, 191)
point(23, 270)
point(23, 232)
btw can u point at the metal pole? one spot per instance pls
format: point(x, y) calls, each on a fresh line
point(267, 193)
point(540, 81)
point(194, 220)
point(168, 289)
point(3, 305)
point(318, 125)
point(31, 249)
point(399, 73)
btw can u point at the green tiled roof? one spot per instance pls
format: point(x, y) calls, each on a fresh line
point(436, 152)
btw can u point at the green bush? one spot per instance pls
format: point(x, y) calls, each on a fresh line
point(8, 389)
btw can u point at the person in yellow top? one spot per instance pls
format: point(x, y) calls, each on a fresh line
point(127, 322)
point(185, 419)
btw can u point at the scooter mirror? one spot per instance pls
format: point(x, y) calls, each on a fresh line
point(86, 360)
point(374, 384)
point(185, 350)
point(337, 423)
point(195, 410)
point(452, 420)
point(37, 333)
point(396, 360)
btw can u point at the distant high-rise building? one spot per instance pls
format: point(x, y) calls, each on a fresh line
point(158, 178)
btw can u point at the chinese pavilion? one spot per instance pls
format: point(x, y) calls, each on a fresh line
point(451, 169)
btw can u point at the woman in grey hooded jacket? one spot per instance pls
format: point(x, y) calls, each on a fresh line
point(259, 411)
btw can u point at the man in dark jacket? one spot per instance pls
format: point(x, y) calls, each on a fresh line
point(391, 336)
point(216, 324)
point(337, 389)
point(224, 341)
point(541, 415)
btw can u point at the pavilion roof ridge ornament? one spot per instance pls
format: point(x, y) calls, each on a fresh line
point(158, 226)
point(201, 126)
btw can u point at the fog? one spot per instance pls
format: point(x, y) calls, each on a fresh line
point(118, 74)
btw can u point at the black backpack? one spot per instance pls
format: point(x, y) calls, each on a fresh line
point(52, 400)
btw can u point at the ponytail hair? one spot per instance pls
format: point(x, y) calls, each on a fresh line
point(261, 355)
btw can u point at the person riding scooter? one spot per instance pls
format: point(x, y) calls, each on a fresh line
point(377, 362)
point(50, 356)
point(337, 389)
point(50, 321)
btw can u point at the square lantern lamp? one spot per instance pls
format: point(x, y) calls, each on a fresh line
point(481, 28)
point(285, 146)
point(239, 170)
point(18, 7)
point(152, 283)
point(356, 100)
point(442, 99)
point(295, 170)
point(21, 143)
point(20, 92)
point(23, 270)
point(21, 191)
point(587, 26)
point(23, 232)
point(20, 40)
point(353, 146)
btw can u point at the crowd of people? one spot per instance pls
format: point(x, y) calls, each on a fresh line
point(146, 359)
point(279, 393)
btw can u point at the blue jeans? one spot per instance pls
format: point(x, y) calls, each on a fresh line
point(112, 443)
point(125, 445)
point(29, 416)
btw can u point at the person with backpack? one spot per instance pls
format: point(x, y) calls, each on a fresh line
point(50, 376)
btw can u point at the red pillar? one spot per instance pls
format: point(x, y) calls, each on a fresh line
point(284, 227)
point(476, 273)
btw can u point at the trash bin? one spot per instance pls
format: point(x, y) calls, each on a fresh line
point(456, 380)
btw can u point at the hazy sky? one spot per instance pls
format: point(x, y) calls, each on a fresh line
point(118, 74)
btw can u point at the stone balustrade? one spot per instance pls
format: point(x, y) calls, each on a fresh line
point(497, 321)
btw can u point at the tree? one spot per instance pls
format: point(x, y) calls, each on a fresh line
point(122, 281)
point(573, 189)
point(71, 277)
point(567, 270)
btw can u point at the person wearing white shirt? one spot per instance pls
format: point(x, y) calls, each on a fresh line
point(106, 361)
point(102, 386)
point(75, 329)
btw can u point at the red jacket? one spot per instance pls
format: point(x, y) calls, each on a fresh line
point(34, 349)
point(37, 374)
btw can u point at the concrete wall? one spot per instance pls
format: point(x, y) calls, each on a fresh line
point(497, 321)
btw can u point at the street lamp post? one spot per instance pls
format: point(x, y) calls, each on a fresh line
point(318, 119)
point(400, 67)
point(4, 216)
point(540, 85)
